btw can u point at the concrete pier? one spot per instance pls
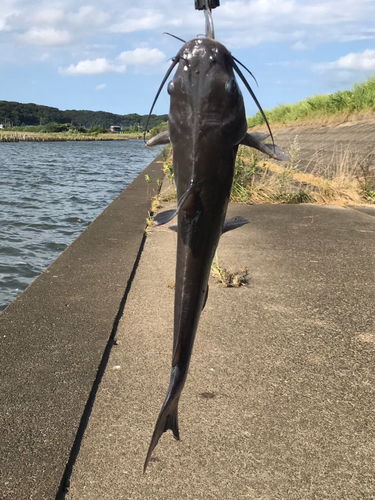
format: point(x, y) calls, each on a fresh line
point(53, 339)
point(279, 399)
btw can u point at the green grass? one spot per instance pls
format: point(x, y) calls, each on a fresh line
point(360, 99)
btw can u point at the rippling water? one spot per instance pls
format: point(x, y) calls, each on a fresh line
point(49, 193)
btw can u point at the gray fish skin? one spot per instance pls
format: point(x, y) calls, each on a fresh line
point(207, 122)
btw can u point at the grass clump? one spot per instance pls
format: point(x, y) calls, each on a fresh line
point(256, 181)
point(169, 194)
point(226, 277)
point(361, 98)
point(347, 177)
point(167, 157)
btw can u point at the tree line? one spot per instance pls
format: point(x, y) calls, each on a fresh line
point(17, 114)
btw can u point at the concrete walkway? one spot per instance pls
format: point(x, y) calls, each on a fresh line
point(279, 399)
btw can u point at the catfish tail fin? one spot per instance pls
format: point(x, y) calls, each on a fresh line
point(167, 419)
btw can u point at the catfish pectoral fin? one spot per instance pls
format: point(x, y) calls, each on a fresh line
point(167, 419)
point(228, 225)
point(188, 197)
point(280, 155)
point(162, 138)
point(234, 223)
point(261, 136)
point(271, 150)
point(164, 217)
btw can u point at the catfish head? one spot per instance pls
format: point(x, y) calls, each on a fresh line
point(206, 102)
point(207, 109)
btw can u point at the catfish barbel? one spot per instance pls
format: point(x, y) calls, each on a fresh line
point(207, 123)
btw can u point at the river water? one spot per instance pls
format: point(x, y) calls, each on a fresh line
point(49, 193)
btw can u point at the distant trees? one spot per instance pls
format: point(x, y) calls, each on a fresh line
point(161, 127)
point(96, 129)
point(34, 114)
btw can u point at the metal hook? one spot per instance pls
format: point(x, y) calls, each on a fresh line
point(207, 5)
point(210, 32)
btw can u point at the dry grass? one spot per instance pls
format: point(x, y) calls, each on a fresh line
point(169, 194)
point(59, 137)
point(346, 178)
point(228, 277)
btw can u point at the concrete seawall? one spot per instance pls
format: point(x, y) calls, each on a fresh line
point(55, 339)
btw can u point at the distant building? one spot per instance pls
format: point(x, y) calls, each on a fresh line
point(115, 128)
point(2, 125)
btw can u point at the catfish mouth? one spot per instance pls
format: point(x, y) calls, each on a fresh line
point(197, 48)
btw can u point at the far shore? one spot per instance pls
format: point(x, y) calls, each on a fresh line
point(10, 136)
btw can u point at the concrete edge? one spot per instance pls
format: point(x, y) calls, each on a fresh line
point(55, 341)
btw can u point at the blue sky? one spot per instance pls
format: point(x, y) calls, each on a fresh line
point(111, 55)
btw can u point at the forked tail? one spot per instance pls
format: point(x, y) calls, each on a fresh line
point(167, 419)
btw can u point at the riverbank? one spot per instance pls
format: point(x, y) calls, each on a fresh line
point(331, 163)
point(9, 136)
point(280, 366)
point(344, 105)
point(53, 338)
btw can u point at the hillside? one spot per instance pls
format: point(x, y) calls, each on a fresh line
point(19, 114)
point(331, 107)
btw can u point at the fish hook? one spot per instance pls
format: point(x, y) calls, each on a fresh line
point(207, 5)
point(210, 31)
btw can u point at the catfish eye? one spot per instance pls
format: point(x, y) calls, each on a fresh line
point(170, 88)
point(231, 86)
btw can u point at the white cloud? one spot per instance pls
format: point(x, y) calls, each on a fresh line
point(364, 61)
point(141, 23)
point(48, 16)
point(102, 86)
point(242, 23)
point(6, 11)
point(47, 36)
point(247, 23)
point(299, 46)
point(98, 66)
point(142, 56)
point(241, 9)
point(88, 15)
